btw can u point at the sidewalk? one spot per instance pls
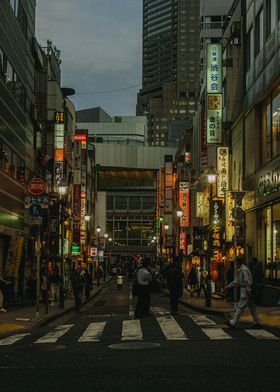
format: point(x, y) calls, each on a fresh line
point(270, 316)
point(21, 318)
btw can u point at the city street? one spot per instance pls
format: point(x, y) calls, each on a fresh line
point(103, 348)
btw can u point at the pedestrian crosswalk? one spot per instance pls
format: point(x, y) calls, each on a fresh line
point(161, 327)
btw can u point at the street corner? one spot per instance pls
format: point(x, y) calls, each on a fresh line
point(10, 327)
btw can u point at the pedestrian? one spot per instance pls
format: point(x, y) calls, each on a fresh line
point(144, 278)
point(201, 277)
point(175, 286)
point(77, 286)
point(257, 274)
point(99, 273)
point(88, 283)
point(54, 281)
point(3, 285)
point(245, 281)
point(192, 280)
point(32, 286)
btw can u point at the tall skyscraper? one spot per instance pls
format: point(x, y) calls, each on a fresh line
point(170, 69)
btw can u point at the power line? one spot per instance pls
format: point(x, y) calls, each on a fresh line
point(108, 91)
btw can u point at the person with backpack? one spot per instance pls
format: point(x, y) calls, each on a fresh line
point(244, 280)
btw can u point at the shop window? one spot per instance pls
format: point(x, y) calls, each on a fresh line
point(134, 229)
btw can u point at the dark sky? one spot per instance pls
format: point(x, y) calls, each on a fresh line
point(100, 43)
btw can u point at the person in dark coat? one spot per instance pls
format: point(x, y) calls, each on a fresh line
point(88, 283)
point(77, 286)
point(32, 284)
point(192, 280)
point(175, 286)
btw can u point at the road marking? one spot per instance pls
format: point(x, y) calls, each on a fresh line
point(131, 330)
point(216, 333)
point(202, 320)
point(55, 334)
point(261, 334)
point(159, 311)
point(93, 332)
point(13, 339)
point(171, 328)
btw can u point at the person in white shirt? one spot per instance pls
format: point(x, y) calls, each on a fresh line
point(244, 280)
point(144, 278)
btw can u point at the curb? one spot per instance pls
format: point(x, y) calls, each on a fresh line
point(201, 309)
point(55, 316)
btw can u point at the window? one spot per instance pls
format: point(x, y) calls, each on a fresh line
point(7, 159)
point(8, 74)
point(134, 203)
point(120, 203)
point(110, 203)
point(276, 126)
point(148, 203)
point(250, 48)
point(1, 64)
point(259, 32)
point(270, 16)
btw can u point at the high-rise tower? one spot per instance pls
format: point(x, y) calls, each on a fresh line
point(170, 70)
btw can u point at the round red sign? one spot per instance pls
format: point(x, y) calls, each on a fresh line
point(36, 186)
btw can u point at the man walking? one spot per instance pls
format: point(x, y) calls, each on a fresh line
point(244, 280)
point(144, 278)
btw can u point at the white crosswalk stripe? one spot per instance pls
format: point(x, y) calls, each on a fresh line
point(54, 335)
point(13, 339)
point(216, 333)
point(202, 320)
point(261, 334)
point(171, 328)
point(93, 332)
point(159, 311)
point(131, 330)
point(134, 330)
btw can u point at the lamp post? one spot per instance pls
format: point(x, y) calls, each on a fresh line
point(179, 214)
point(62, 190)
point(166, 227)
point(211, 178)
point(98, 229)
point(105, 255)
point(160, 238)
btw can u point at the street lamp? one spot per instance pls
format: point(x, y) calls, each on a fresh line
point(87, 218)
point(62, 190)
point(166, 227)
point(105, 256)
point(179, 213)
point(98, 229)
point(211, 180)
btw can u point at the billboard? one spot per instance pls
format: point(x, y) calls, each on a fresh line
point(223, 170)
point(214, 68)
point(184, 203)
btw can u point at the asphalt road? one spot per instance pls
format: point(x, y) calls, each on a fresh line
point(190, 352)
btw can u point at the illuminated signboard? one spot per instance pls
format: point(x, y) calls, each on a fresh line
point(199, 204)
point(214, 68)
point(184, 203)
point(214, 119)
point(216, 225)
point(58, 148)
point(223, 170)
point(229, 205)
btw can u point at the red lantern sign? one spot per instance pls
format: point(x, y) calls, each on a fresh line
point(36, 186)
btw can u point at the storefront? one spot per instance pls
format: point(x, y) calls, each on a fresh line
point(263, 228)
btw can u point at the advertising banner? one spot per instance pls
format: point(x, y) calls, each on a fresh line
point(217, 225)
point(229, 220)
point(184, 203)
point(183, 241)
point(58, 148)
point(223, 170)
point(214, 119)
point(214, 68)
point(199, 204)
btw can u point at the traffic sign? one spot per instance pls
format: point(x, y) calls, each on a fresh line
point(35, 211)
point(36, 186)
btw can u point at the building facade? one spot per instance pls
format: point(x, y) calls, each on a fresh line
point(17, 27)
point(170, 68)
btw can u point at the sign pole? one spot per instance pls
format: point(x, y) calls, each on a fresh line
point(38, 250)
